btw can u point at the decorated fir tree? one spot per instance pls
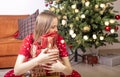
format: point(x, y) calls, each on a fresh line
point(86, 23)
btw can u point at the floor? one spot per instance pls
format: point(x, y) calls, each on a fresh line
point(87, 70)
point(97, 70)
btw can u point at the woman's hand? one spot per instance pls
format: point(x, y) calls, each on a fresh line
point(54, 67)
point(45, 57)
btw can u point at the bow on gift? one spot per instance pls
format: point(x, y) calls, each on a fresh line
point(46, 41)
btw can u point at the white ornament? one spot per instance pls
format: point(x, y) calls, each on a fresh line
point(76, 10)
point(112, 30)
point(73, 6)
point(64, 22)
point(106, 22)
point(94, 36)
point(112, 21)
point(71, 31)
point(87, 3)
point(71, 25)
point(83, 16)
point(73, 35)
point(85, 37)
point(102, 5)
point(101, 38)
point(61, 8)
point(96, 6)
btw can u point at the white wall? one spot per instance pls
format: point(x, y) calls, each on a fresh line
point(12, 7)
point(19, 7)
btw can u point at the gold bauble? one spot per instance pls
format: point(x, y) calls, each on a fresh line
point(64, 17)
point(52, 9)
point(57, 1)
point(59, 17)
point(78, 41)
point(71, 25)
point(86, 29)
point(77, 18)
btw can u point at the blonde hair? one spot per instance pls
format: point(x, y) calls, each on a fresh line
point(43, 23)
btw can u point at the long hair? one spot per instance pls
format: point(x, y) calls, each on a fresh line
point(43, 23)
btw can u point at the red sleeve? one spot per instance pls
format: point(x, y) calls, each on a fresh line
point(61, 44)
point(26, 45)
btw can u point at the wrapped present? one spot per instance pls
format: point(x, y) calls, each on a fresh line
point(46, 41)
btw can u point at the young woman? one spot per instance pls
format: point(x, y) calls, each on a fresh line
point(52, 59)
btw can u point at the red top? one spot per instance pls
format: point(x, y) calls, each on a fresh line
point(28, 41)
point(25, 50)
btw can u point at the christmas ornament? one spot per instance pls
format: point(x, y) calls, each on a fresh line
point(64, 17)
point(62, 7)
point(102, 5)
point(112, 21)
point(71, 25)
point(64, 22)
point(57, 1)
point(51, 2)
point(83, 16)
point(71, 31)
point(101, 38)
point(73, 6)
point(86, 29)
point(78, 41)
point(117, 17)
point(87, 3)
point(52, 9)
point(59, 17)
point(70, 46)
point(57, 10)
point(101, 12)
point(116, 28)
point(73, 35)
point(85, 37)
point(76, 10)
point(94, 36)
point(77, 18)
point(106, 22)
point(107, 28)
point(96, 6)
point(112, 30)
point(83, 1)
point(46, 4)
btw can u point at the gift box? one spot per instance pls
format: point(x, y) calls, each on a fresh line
point(110, 60)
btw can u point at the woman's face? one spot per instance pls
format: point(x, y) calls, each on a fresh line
point(54, 25)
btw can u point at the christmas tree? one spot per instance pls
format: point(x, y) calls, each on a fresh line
point(86, 23)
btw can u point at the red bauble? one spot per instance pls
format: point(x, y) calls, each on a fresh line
point(116, 28)
point(70, 46)
point(117, 17)
point(51, 2)
point(107, 28)
point(46, 5)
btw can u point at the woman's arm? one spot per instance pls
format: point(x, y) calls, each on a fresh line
point(63, 66)
point(68, 69)
point(22, 67)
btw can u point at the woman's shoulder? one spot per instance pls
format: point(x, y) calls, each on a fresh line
point(60, 39)
point(29, 38)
